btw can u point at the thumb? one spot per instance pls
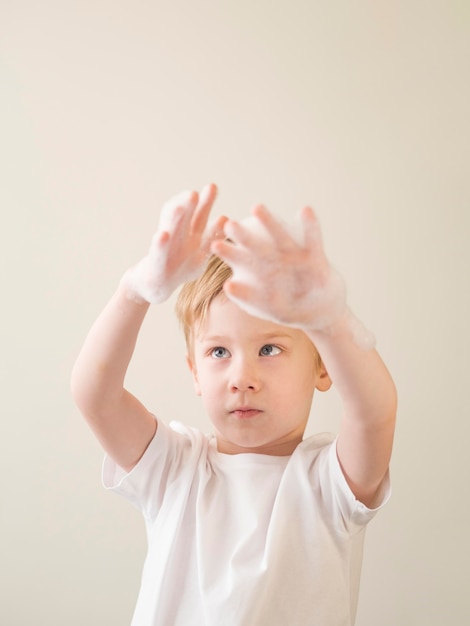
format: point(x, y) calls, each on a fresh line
point(214, 231)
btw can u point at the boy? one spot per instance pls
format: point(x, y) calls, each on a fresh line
point(252, 526)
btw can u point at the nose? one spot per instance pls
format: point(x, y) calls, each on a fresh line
point(244, 375)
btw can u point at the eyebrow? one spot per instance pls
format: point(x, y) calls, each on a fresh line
point(267, 337)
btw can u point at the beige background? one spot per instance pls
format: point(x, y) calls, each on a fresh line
point(108, 107)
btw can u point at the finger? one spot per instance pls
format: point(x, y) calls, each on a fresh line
point(228, 252)
point(159, 238)
point(215, 230)
point(160, 242)
point(238, 292)
point(277, 231)
point(246, 233)
point(201, 215)
point(207, 196)
point(311, 226)
point(178, 210)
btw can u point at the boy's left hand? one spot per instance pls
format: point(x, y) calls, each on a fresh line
point(280, 276)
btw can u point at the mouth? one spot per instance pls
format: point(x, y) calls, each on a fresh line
point(245, 412)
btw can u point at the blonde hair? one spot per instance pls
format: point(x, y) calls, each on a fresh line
point(197, 295)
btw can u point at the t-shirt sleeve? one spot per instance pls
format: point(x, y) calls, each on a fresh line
point(356, 514)
point(342, 508)
point(170, 458)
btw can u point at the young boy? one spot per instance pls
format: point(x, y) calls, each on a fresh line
point(252, 526)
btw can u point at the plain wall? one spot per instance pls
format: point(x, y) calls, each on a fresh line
point(107, 108)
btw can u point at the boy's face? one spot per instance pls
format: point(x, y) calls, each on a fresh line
point(256, 380)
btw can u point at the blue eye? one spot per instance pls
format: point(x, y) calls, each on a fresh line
point(270, 350)
point(220, 353)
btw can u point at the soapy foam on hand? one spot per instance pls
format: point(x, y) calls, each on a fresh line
point(168, 214)
point(331, 297)
point(149, 280)
point(293, 228)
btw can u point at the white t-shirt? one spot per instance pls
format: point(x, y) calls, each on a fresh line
point(247, 539)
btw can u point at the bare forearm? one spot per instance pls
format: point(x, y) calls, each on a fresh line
point(359, 374)
point(369, 399)
point(100, 369)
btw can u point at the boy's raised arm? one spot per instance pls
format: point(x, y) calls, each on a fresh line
point(285, 277)
point(178, 253)
point(369, 399)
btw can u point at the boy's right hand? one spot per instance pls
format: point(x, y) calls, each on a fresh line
point(179, 248)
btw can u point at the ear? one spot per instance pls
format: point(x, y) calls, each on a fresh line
point(324, 381)
point(192, 369)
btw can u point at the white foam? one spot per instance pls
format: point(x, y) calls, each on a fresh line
point(293, 228)
point(318, 308)
point(167, 220)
